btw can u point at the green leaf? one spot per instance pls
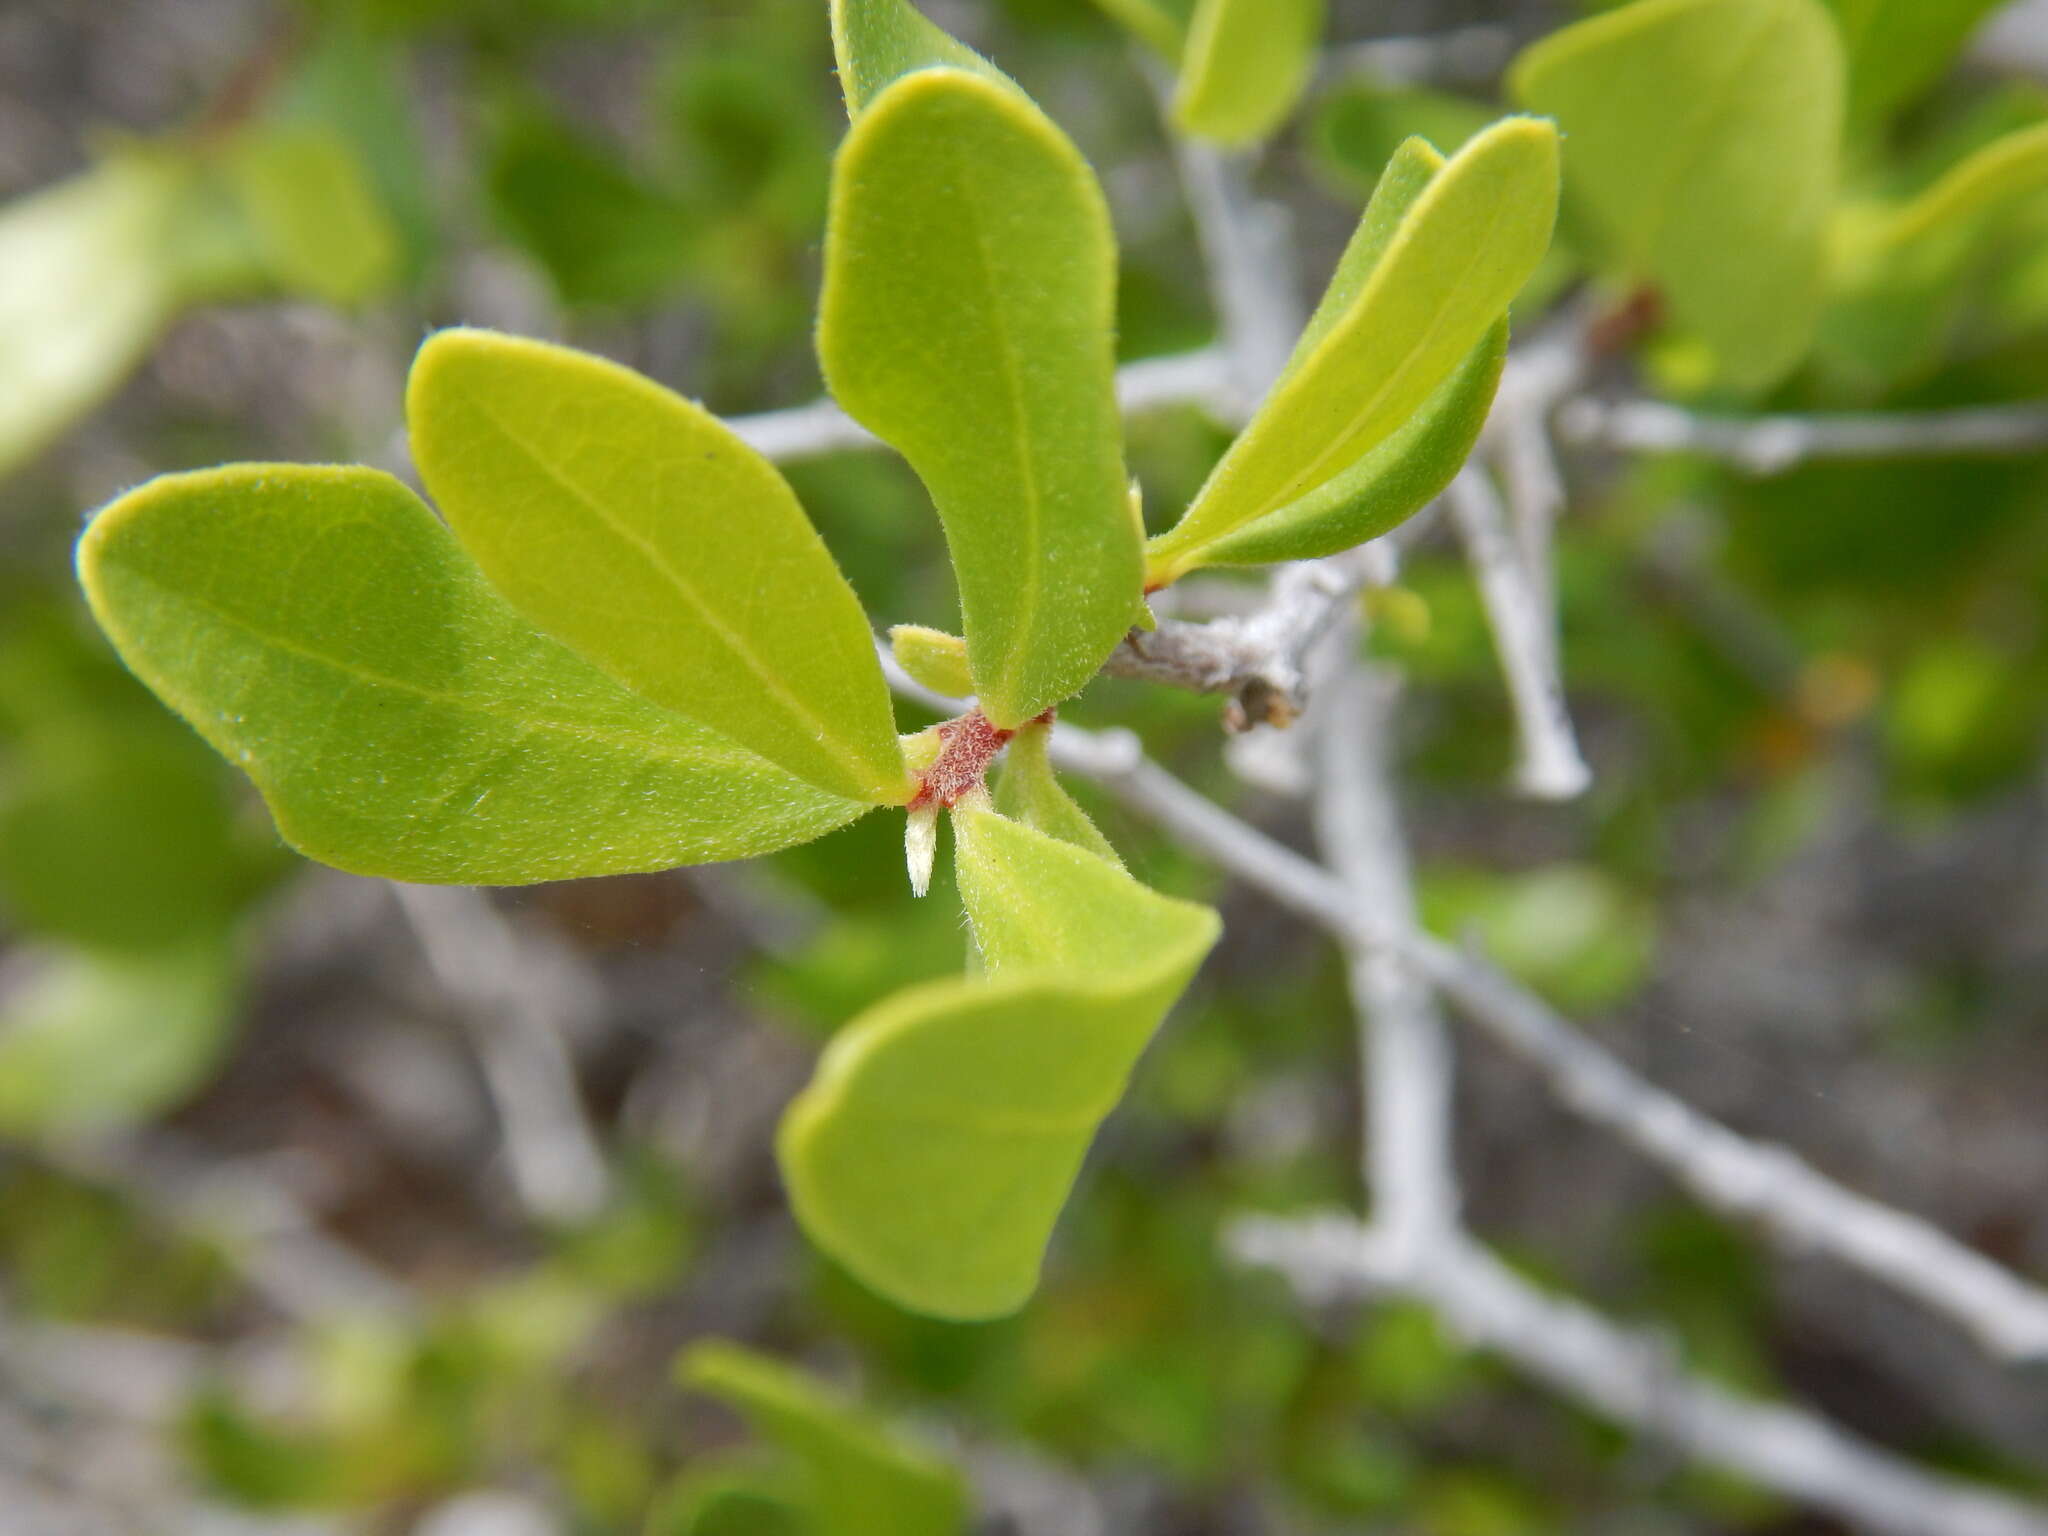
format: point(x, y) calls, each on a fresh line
point(2004, 175)
point(96, 1041)
point(1391, 483)
point(115, 832)
point(1244, 67)
point(84, 293)
point(1704, 146)
point(1433, 266)
point(1896, 48)
point(317, 224)
point(933, 658)
point(325, 633)
point(967, 320)
point(877, 42)
point(933, 1150)
point(1028, 791)
point(634, 527)
point(1161, 25)
point(857, 1478)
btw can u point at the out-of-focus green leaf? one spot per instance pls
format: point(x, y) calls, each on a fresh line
point(1568, 929)
point(967, 319)
point(316, 223)
point(856, 1477)
point(877, 42)
point(933, 1150)
point(100, 1040)
point(324, 632)
point(1161, 25)
point(1896, 48)
point(1705, 140)
point(115, 833)
point(1028, 791)
point(934, 658)
point(605, 234)
point(634, 527)
point(1244, 66)
point(85, 285)
point(1906, 275)
point(1437, 258)
point(1360, 126)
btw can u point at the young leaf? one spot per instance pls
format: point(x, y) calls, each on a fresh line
point(1896, 47)
point(1390, 484)
point(1426, 278)
point(1705, 136)
point(1244, 67)
point(635, 528)
point(97, 1041)
point(1030, 792)
point(861, 1480)
point(933, 1150)
point(325, 633)
point(932, 657)
point(966, 319)
point(877, 42)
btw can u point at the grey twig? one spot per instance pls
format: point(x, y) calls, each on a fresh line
point(2006, 1314)
point(1523, 637)
point(510, 999)
point(1404, 1049)
point(1771, 445)
point(1629, 1375)
point(1461, 56)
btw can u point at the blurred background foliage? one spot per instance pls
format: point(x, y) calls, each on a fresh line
point(262, 1266)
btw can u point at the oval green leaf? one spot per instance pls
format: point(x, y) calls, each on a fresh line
point(326, 634)
point(1244, 67)
point(638, 530)
point(1419, 289)
point(1705, 141)
point(933, 1150)
point(1162, 25)
point(967, 320)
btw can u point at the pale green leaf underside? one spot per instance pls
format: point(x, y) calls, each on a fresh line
point(1391, 483)
point(877, 42)
point(1897, 47)
point(944, 1129)
point(1244, 66)
point(638, 530)
point(1705, 141)
point(1028, 791)
point(92, 1041)
point(863, 1480)
point(84, 294)
point(967, 320)
point(1455, 259)
point(933, 658)
point(325, 633)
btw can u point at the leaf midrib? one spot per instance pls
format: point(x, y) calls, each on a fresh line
point(708, 756)
point(741, 651)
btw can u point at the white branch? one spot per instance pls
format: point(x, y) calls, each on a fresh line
point(1404, 1049)
point(509, 1000)
point(1771, 445)
point(1550, 767)
point(1200, 378)
point(1631, 1376)
point(1768, 1185)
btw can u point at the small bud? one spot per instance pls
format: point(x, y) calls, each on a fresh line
point(921, 847)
